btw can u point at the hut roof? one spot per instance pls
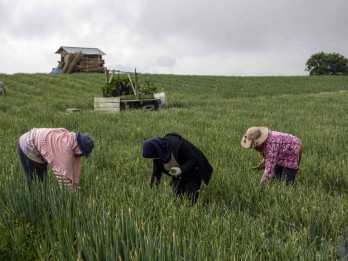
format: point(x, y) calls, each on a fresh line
point(88, 51)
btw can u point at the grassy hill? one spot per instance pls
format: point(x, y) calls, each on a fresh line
point(115, 215)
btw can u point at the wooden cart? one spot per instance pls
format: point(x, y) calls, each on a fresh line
point(126, 102)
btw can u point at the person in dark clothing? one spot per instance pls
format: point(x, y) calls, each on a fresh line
point(184, 162)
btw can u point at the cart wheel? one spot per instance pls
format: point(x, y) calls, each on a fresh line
point(149, 107)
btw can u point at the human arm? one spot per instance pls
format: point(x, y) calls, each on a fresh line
point(269, 166)
point(187, 159)
point(68, 176)
point(261, 165)
point(156, 173)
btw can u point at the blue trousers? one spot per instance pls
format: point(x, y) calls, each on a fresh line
point(32, 170)
point(282, 173)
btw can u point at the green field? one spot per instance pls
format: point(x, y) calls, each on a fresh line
point(116, 216)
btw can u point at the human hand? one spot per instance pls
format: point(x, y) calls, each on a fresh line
point(261, 166)
point(262, 185)
point(75, 187)
point(264, 180)
point(175, 171)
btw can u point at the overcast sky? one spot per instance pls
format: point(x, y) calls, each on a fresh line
point(200, 37)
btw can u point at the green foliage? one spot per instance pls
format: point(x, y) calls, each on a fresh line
point(116, 216)
point(148, 87)
point(327, 64)
point(119, 85)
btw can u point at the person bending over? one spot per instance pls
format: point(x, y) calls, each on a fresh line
point(184, 162)
point(57, 147)
point(281, 153)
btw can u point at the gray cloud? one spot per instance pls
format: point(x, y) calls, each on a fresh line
point(247, 25)
point(166, 61)
point(250, 37)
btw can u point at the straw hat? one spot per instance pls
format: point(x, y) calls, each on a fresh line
point(254, 137)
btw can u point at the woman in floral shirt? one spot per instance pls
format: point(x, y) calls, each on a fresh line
point(281, 152)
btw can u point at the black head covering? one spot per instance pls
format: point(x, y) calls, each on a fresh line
point(156, 148)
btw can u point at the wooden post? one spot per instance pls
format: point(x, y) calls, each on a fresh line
point(112, 75)
point(106, 75)
point(136, 84)
point(130, 80)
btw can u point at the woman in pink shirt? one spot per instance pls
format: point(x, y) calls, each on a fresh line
point(281, 152)
point(57, 147)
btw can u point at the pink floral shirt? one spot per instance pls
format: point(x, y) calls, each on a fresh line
point(280, 149)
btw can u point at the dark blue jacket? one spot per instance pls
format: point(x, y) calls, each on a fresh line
point(192, 161)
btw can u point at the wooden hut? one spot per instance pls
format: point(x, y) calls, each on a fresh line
point(80, 59)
